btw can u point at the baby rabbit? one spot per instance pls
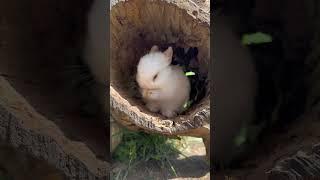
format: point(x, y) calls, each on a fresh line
point(235, 81)
point(95, 53)
point(163, 86)
point(95, 50)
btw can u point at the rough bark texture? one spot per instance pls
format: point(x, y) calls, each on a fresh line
point(267, 155)
point(37, 114)
point(135, 26)
point(301, 165)
point(12, 161)
point(25, 129)
point(116, 134)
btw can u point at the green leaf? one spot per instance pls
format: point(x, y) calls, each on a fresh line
point(241, 138)
point(187, 104)
point(190, 73)
point(256, 38)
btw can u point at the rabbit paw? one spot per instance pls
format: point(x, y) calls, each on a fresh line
point(152, 107)
point(168, 113)
point(153, 94)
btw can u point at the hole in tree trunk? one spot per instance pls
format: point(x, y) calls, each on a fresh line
point(136, 26)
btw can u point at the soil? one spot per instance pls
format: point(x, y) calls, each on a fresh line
point(193, 167)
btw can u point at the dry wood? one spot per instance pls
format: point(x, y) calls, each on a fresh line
point(135, 26)
point(25, 129)
point(34, 116)
point(304, 164)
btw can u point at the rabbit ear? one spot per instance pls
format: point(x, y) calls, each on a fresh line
point(168, 53)
point(154, 48)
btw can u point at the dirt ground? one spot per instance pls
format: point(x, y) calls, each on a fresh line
point(193, 167)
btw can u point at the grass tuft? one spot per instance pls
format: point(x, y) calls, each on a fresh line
point(141, 147)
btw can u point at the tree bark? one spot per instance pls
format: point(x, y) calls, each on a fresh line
point(134, 17)
point(28, 131)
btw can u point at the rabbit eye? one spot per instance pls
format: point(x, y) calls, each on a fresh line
point(155, 77)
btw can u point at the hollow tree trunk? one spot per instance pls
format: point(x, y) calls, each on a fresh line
point(136, 25)
point(26, 130)
point(33, 37)
point(292, 154)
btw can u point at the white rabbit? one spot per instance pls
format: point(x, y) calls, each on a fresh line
point(235, 82)
point(164, 87)
point(95, 54)
point(95, 48)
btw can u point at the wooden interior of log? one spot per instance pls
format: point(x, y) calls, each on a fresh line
point(263, 162)
point(28, 131)
point(136, 25)
point(270, 153)
point(35, 37)
point(302, 164)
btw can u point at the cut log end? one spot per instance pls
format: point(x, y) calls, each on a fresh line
point(135, 27)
